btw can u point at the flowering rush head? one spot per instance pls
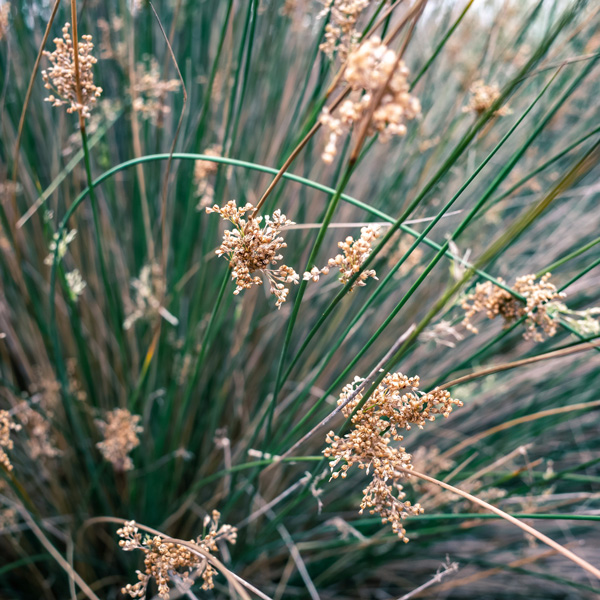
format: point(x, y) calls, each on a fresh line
point(396, 405)
point(372, 68)
point(355, 252)
point(252, 246)
point(61, 78)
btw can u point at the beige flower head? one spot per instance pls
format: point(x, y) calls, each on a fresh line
point(341, 35)
point(60, 77)
point(164, 558)
point(7, 424)
point(120, 437)
point(253, 246)
point(354, 254)
point(482, 98)
point(371, 67)
point(396, 405)
point(540, 297)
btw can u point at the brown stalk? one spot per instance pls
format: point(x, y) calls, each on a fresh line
point(58, 557)
point(163, 212)
point(521, 562)
point(519, 363)
point(376, 100)
point(36, 66)
point(332, 107)
point(528, 529)
point(137, 150)
point(525, 419)
point(76, 65)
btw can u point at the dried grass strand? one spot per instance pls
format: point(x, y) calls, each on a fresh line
point(527, 528)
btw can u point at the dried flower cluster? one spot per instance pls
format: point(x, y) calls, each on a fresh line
point(443, 333)
point(62, 241)
point(370, 67)
point(396, 405)
point(4, 15)
point(496, 301)
point(40, 440)
point(148, 289)
point(251, 247)
point(355, 252)
point(149, 91)
point(341, 35)
point(482, 98)
point(108, 50)
point(164, 558)
point(202, 169)
point(60, 77)
point(120, 437)
point(7, 425)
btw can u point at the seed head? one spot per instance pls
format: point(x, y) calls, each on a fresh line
point(539, 298)
point(396, 405)
point(60, 77)
point(482, 98)
point(341, 35)
point(163, 558)
point(149, 91)
point(4, 15)
point(7, 425)
point(368, 69)
point(120, 437)
point(355, 252)
point(252, 247)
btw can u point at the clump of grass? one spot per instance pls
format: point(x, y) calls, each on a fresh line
point(137, 388)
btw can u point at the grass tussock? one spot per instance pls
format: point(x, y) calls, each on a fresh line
point(383, 169)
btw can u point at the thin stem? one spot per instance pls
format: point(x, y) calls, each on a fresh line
point(528, 529)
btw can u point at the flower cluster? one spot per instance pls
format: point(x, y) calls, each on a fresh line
point(202, 169)
point(120, 437)
point(253, 247)
point(40, 439)
point(60, 77)
point(355, 252)
point(341, 35)
point(396, 405)
point(482, 98)
point(539, 297)
point(76, 283)
point(165, 558)
point(62, 241)
point(149, 91)
point(6, 426)
point(148, 289)
point(371, 67)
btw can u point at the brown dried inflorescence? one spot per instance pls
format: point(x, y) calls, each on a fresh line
point(60, 77)
point(397, 404)
point(7, 424)
point(120, 437)
point(341, 35)
point(483, 97)
point(149, 91)
point(355, 252)
point(253, 247)
point(539, 297)
point(164, 558)
point(202, 170)
point(148, 290)
point(371, 67)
